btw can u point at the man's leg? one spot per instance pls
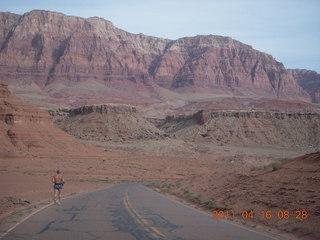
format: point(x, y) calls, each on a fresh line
point(54, 194)
point(59, 194)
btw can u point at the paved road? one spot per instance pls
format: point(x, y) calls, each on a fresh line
point(125, 212)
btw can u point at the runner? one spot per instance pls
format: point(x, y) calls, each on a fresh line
point(58, 182)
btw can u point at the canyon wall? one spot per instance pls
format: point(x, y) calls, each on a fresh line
point(56, 52)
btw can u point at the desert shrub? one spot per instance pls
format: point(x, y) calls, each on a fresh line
point(188, 194)
point(253, 168)
point(276, 166)
point(197, 199)
point(223, 207)
point(210, 203)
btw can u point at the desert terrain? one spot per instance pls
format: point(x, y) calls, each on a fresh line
point(115, 144)
point(207, 120)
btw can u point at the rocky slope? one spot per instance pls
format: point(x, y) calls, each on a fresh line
point(83, 61)
point(309, 81)
point(248, 128)
point(109, 122)
point(26, 131)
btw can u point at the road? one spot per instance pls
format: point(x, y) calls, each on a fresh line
point(125, 212)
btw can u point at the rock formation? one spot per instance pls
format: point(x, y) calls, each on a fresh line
point(309, 81)
point(90, 61)
point(110, 122)
point(248, 128)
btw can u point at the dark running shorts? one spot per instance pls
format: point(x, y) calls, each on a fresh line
point(58, 186)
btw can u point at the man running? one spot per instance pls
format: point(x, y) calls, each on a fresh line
point(58, 182)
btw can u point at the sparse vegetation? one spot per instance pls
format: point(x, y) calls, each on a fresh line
point(197, 199)
point(210, 203)
point(276, 166)
point(301, 227)
point(184, 193)
point(250, 209)
point(223, 207)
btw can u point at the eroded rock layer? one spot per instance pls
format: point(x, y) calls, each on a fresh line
point(109, 122)
point(248, 128)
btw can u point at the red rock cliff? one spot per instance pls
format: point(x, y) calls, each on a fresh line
point(47, 47)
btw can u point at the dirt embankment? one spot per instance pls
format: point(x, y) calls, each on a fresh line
point(283, 197)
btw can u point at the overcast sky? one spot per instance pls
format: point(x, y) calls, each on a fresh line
point(287, 29)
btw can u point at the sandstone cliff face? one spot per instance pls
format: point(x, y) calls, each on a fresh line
point(50, 46)
point(56, 51)
point(26, 130)
point(7, 23)
point(211, 61)
point(309, 81)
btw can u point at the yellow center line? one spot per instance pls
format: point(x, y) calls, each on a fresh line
point(152, 230)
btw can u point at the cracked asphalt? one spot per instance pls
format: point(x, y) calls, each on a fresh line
point(125, 212)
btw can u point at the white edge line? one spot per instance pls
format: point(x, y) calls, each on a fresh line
point(24, 219)
point(226, 221)
point(44, 207)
